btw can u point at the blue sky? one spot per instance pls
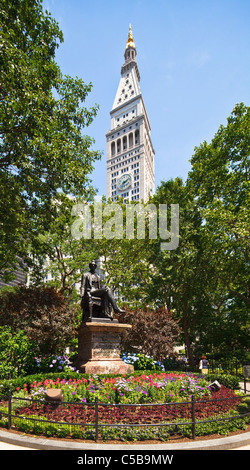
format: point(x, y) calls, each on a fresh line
point(194, 61)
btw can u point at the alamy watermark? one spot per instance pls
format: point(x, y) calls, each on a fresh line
point(112, 222)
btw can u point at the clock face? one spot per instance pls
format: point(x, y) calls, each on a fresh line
point(124, 182)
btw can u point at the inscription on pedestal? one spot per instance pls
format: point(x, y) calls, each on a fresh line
point(99, 348)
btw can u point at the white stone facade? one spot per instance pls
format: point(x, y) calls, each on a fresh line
point(130, 153)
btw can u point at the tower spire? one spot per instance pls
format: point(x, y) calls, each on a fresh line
point(130, 41)
point(130, 50)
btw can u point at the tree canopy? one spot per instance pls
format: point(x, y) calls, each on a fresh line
point(42, 149)
point(219, 180)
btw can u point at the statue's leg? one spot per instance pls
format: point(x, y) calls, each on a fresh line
point(102, 293)
point(90, 309)
point(113, 301)
point(108, 293)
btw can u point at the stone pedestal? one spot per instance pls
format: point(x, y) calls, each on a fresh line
point(99, 348)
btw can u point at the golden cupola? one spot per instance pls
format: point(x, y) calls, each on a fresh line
point(130, 41)
point(130, 51)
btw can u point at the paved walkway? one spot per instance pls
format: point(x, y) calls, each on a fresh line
point(6, 446)
point(247, 387)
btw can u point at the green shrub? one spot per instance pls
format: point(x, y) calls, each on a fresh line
point(132, 433)
point(227, 380)
point(16, 352)
point(244, 406)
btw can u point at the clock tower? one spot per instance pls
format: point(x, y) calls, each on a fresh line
point(130, 153)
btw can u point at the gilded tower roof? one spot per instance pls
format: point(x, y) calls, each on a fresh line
point(130, 41)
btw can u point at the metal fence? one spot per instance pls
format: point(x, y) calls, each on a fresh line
point(233, 366)
point(102, 415)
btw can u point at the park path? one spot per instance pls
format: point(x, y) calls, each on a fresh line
point(6, 446)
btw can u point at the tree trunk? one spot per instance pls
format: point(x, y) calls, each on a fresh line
point(187, 342)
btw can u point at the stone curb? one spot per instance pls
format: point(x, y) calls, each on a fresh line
point(223, 443)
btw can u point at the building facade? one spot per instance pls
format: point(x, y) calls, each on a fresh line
point(130, 153)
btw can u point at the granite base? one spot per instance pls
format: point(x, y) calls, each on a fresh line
point(99, 348)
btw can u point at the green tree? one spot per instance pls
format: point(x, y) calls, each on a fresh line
point(219, 180)
point(42, 148)
point(181, 277)
point(125, 262)
point(57, 254)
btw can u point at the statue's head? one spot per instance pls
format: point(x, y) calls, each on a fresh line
point(92, 265)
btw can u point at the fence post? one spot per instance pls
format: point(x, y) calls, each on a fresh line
point(96, 418)
point(193, 415)
point(9, 409)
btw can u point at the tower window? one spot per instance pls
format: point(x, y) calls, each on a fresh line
point(124, 140)
point(130, 139)
point(137, 137)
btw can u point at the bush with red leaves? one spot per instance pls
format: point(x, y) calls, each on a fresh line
point(42, 313)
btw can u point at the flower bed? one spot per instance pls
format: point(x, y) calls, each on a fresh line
point(152, 388)
point(146, 399)
point(131, 414)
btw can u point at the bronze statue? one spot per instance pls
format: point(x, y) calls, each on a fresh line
point(96, 298)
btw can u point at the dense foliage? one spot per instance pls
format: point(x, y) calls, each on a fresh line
point(44, 315)
point(16, 353)
point(42, 148)
point(153, 332)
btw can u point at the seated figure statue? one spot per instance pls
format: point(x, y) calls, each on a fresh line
point(96, 298)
